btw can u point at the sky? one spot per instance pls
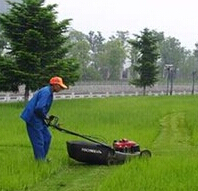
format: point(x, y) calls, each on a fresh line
point(176, 18)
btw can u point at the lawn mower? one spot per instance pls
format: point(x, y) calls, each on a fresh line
point(92, 151)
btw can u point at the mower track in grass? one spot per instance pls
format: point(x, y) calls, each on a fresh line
point(74, 177)
point(174, 136)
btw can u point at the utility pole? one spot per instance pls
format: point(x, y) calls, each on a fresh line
point(194, 73)
point(193, 85)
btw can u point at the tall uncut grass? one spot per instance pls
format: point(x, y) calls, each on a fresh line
point(166, 125)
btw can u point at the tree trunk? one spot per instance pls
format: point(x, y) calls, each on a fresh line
point(171, 79)
point(193, 84)
point(26, 95)
point(144, 90)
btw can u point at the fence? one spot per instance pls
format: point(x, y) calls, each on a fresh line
point(100, 91)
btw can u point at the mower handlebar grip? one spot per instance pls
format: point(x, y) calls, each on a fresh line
point(54, 122)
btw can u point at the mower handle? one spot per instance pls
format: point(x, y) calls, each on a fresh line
point(54, 123)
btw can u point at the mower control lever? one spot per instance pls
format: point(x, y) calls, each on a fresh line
point(53, 120)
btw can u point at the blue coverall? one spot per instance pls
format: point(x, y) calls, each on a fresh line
point(34, 114)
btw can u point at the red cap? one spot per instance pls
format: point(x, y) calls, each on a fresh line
point(59, 81)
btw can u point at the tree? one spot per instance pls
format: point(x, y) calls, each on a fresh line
point(38, 44)
point(112, 59)
point(8, 80)
point(96, 42)
point(81, 51)
point(3, 41)
point(146, 67)
point(7, 67)
point(172, 54)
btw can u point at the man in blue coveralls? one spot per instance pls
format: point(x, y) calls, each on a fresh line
point(35, 115)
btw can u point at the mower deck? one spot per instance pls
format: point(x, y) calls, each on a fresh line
point(94, 153)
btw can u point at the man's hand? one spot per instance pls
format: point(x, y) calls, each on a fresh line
point(49, 119)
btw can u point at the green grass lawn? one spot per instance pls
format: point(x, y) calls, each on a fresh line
point(166, 125)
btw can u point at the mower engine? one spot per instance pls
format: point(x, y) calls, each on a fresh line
point(126, 146)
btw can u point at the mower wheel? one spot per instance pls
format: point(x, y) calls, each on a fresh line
point(145, 154)
point(111, 161)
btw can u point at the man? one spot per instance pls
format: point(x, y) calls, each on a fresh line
point(35, 115)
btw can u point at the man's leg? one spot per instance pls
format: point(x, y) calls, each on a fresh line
point(37, 141)
point(47, 139)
